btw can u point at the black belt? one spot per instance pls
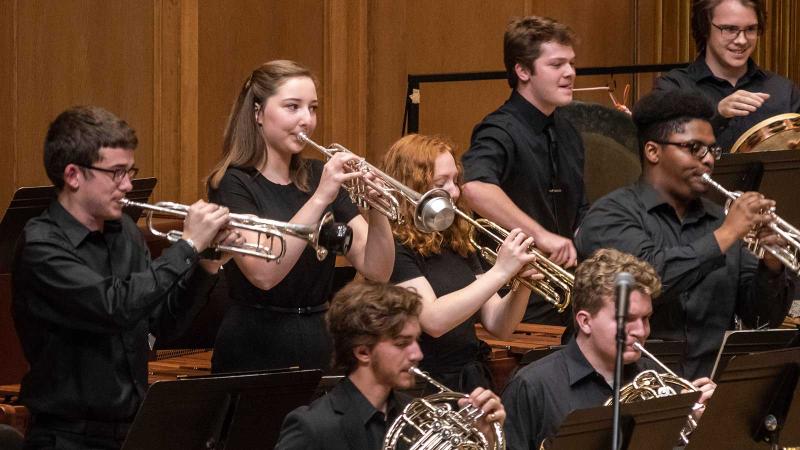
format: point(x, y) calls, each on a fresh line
point(116, 430)
point(300, 310)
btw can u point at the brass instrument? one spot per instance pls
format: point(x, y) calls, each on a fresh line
point(650, 384)
point(322, 236)
point(788, 254)
point(776, 133)
point(556, 287)
point(434, 209)
point(434, 423)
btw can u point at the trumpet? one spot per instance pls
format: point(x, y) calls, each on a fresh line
point(555, 288)
point(324, 236)
point(433, 423)
point(434, 210)
point(651, 384)
point(788, 254)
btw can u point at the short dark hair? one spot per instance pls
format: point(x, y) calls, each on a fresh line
point(703, 10)
point(77, 135)
point(594, 279)
point(659, 114)
point(523, 40)
point(364, 312)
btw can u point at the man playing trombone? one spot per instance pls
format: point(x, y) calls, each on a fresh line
point(87, 298)
point(581, 374)
point(709, 276)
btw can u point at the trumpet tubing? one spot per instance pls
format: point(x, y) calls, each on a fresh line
point(557, 285)
point(789, 254)
point(433, 209)
point(325, 233)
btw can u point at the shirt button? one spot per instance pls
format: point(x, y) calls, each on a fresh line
point(188, 261)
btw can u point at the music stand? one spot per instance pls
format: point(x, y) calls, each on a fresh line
point(753, 390)
point(743, 342)
point(30, 202)
point(226, 411)
point(652, 424)
point(775, 174)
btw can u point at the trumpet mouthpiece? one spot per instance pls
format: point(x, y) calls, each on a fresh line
point(302, 137)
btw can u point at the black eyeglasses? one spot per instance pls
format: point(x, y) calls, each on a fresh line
point(731, 32)
point(116, 174)
point(697, 149)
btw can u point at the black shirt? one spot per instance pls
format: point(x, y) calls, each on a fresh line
point(702, 287)
point(544, 392)
point(697, 78)
point(84, 303)
point(342, 419)
point(446, 272)
point(510, 148)
point(309, 283)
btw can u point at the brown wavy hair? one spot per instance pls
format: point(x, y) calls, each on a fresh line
point(594, 279)
point(364, 312)
point(243, 146)
point(411, 161)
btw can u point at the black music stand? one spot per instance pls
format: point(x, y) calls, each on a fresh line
point(651, 425)
point(29, 202)
point(751, 392)
point(775, 174)
point(227, 411)
point(743, 342)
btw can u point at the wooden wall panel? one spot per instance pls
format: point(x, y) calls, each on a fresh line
point(8, 100)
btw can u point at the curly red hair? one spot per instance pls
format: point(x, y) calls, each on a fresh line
point(411, 161)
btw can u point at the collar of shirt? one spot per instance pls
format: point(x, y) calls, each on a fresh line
point(75, 231)
point(699, 70)
point(578, 367)
point(651, 200)
point(363, 409)
point(529, 113)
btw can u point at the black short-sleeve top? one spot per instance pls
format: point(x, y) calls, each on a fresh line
point(247, 191)
point(446, 272)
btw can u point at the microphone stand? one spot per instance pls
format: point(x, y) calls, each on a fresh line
point(623, 282)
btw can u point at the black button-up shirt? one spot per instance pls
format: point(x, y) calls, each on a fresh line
point(543, 393)
point(703, 287)
point(510, 148)
point(697, 78)
point(84, 303)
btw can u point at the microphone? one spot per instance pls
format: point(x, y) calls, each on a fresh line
point(623, 284)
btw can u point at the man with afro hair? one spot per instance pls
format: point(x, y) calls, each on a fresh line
point(709, 278)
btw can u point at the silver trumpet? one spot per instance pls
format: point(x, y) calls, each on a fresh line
point(787, 254)
point(434, 210)
point(434, 423)
point(322, 237)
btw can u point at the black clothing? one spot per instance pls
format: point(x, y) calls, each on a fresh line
point(264, 329)
point(702, 287)
point(512, 149)
point(455, 358)
point(697, 78)
point(341, 420)
point(544, 392)
point(49, 434)
point(84, 303)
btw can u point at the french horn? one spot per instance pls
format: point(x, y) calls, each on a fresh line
point(436, 423)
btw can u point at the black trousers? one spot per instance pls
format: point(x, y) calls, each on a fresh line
point(75, 435)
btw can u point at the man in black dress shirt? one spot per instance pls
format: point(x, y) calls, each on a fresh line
point(581, 375)
point(709, 276)
point(524, 167)
point(742, 94)
point(87, 299)
point(375, 328)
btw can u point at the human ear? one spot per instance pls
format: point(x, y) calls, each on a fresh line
point(523, 73)
point(652, 152)
point(72, 176)
point(583, 322)
point(362, 354)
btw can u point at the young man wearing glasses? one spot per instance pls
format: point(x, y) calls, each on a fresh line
point(742, 94)
point(708, 275)
point(87, 299)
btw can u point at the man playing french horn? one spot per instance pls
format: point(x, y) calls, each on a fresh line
point(375, 328)
point(581, 374)
point(709, 276)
